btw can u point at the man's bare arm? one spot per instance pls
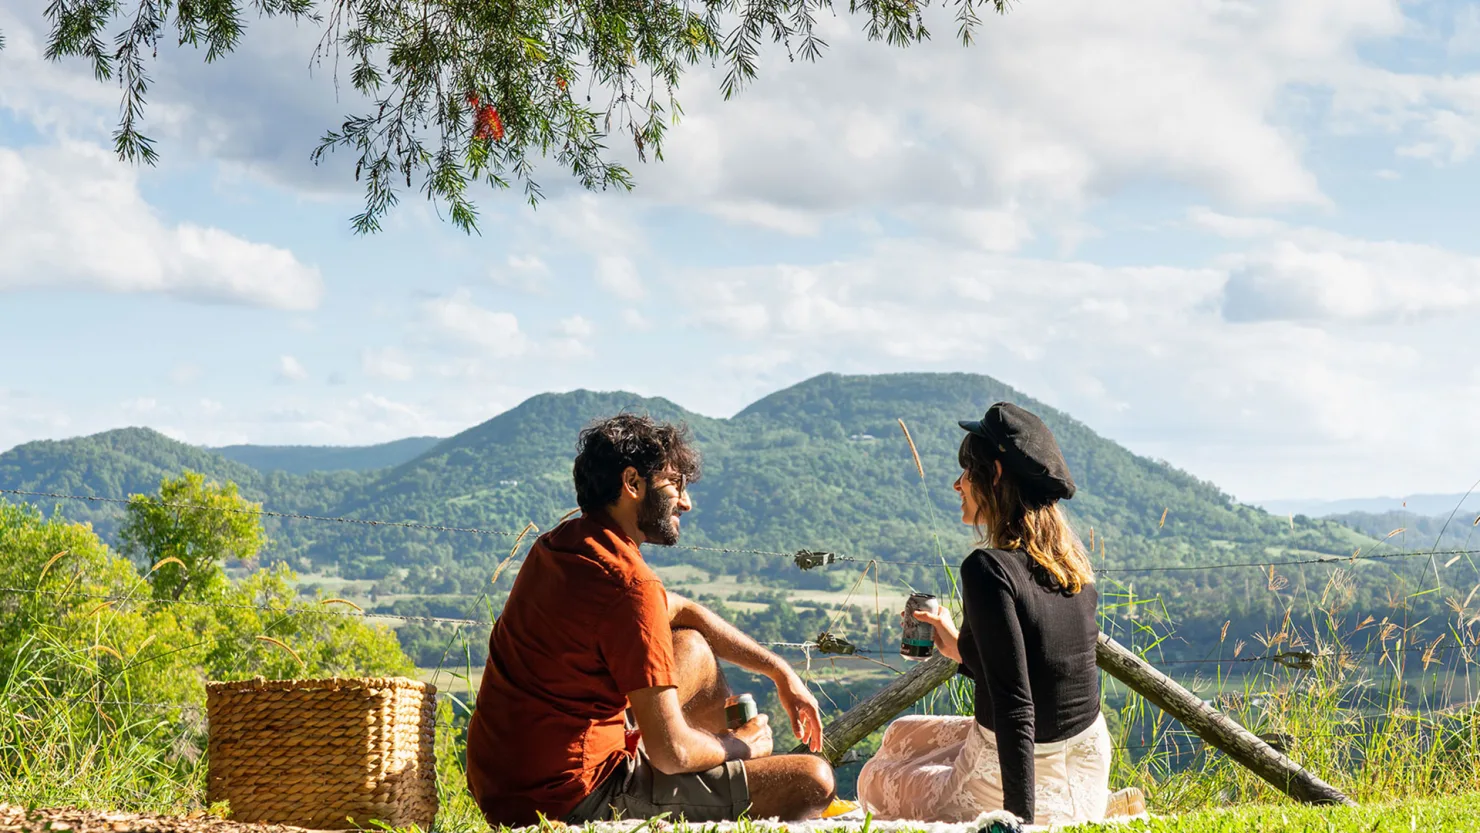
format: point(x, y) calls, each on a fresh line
point(675, 747)
point(726, 640)
point(730, 645)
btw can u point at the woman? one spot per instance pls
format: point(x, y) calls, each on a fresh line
point(1038, 746)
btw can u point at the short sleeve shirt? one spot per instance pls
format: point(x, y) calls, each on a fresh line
point(585, 624)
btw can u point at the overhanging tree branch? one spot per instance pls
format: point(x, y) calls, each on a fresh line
point(474, 91)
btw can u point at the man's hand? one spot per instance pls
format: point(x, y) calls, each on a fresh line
point(751, 741)
point(801, 707)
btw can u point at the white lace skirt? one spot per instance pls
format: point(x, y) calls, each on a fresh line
point(945, 769)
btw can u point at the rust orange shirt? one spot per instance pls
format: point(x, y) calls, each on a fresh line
point(586, 622)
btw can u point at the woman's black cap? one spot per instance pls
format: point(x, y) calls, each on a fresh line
point(1027, 449)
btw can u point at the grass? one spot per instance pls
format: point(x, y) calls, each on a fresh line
point(1444, 814)
point(1384, 729)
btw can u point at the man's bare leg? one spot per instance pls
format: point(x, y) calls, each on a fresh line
point(702, 687)
point(788, 787)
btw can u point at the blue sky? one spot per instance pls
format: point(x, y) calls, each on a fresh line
point(1233, 234)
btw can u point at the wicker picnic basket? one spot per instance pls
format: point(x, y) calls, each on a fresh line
point(328, 754)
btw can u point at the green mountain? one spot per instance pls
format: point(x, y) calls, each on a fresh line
point(305, 459)
point(821, 465)
point(1409, 531)
point(128, 461)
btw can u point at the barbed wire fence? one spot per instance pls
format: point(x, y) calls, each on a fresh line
point(826, 646)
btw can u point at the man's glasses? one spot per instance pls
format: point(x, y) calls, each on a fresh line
point(679, 481)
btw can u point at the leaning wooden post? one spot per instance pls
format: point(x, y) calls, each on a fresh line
point(854, 725)
point(1208, 723)
point(1213, 726)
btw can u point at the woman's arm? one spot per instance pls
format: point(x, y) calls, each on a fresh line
point(991, 611)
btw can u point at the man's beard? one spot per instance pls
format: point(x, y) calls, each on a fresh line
point(655, 517)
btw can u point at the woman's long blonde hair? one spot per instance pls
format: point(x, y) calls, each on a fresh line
point(1008, 521)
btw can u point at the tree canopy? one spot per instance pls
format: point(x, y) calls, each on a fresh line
point(470, 91)
point(184, 535)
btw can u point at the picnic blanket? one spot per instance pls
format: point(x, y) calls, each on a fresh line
point(997, 821)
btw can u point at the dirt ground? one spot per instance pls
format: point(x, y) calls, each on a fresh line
point(14, 819)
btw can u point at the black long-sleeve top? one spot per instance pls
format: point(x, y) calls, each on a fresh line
point(1030, 647)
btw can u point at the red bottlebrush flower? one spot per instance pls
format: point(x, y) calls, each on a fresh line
point(472, 100)
point(488, 124)
point(560, 82)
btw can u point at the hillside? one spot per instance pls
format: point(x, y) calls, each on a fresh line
point(1460, 532)
point(820, 465)
point(305, 459)
point(131, 461)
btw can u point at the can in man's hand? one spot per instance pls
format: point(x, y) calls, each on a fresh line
point(739, 710)
point(919, 637)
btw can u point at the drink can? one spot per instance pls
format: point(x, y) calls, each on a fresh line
point(919, 637)
point(739, 710)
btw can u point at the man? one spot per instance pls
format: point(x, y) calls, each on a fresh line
point(589, 631)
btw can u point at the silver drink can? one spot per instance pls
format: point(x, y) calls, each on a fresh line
point(739, 710)
point(919, 637)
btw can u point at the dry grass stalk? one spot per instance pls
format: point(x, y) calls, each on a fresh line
point(1163, 521)
point(913, 451)
point(170, 560)
point(105, 649)
point(284, 646)
point(338, 601)
point(49, 562)
point(510, 557)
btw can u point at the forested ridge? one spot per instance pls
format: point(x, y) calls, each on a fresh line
point(820, 465)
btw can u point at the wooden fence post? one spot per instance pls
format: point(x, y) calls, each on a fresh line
point(854, 725)
point(1215, 727)
point(1208, 723)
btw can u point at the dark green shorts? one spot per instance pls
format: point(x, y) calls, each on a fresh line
point(636, 790)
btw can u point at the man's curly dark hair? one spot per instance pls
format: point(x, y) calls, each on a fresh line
point(608, 446)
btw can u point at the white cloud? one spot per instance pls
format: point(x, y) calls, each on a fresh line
point(141, 405)
point(72, 217)
point(1318, 276)
point(1145, 355)
point(260, 111)
point(577, 326)
point(523, 273)
point(459, 319)
point(1465, 37)
point(290, 370)
point(1143, 93)
point(1225, 225)
point(1056, 105)
point(617, 274)
point(634, 320)
point(387, 363)
point(1308, 274)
